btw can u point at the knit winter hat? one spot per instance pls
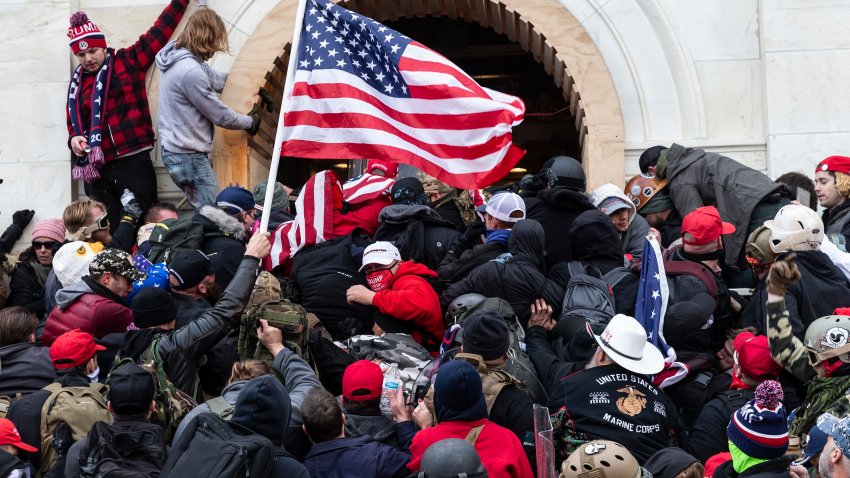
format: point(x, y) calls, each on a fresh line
point(84, 34)
point(280, 200)
point(486, 334)
point(759, 428)
point(53, 229)
point(458, 393)
point(153, 306)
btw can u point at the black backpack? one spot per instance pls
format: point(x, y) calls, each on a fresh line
point(172, 236)
point(589, 294)
point(213, 448)
point(133, 451)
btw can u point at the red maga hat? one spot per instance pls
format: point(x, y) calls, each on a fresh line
point(705, 225)
point(836, 164)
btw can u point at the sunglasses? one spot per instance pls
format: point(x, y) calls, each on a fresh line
point(36, 245)
point(102, 222)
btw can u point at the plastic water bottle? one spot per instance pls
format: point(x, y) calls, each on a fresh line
point(391, 383)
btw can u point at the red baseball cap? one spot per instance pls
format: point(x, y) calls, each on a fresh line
point(838, 164)
point(705, 225)
point(9, 436)
point(362, 381)
point(390, 169)
point(754, 356)
point(73, 349)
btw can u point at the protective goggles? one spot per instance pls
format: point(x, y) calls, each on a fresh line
point(102, 222)
point(815, 357)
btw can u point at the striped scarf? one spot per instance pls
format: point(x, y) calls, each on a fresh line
point(86, 167)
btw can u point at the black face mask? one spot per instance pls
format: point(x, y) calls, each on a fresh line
point(706, 256)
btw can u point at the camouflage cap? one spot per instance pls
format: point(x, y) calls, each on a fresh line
point(433, 185)
point(115, 261)
point(838, 429)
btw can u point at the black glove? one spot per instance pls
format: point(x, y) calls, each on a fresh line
point(255, 124)
point(22, 218)
point(474, 232)
point(266, 100)
point(131, 212)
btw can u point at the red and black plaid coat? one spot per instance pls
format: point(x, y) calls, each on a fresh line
point(128, 118)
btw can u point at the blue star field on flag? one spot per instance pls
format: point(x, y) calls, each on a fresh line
point(652, 295)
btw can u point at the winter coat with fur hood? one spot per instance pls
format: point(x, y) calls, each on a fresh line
point(224, 242)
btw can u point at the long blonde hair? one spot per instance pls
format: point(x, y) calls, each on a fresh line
point(204, 35)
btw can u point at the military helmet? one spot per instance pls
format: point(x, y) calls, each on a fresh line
point(601, 459)
point(758, 247)
point(569, 172)
point(461, 305)
point(451, 458)
point(641, 188)
point(828, 337)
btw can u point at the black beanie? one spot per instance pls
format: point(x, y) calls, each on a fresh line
point(153, 306)
point(486, 334)
point(650, 157)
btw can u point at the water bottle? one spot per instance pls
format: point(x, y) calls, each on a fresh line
point(392, 380)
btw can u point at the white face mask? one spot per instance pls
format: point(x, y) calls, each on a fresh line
point(93, 376)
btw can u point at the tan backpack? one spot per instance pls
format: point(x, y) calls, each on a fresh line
point(78, 407)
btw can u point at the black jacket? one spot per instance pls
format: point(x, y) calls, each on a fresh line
point(595, 241)
point(24, 288)
point(776, 468)
point(224, 242)
point(517, 279)
point(702, 383)
point(447, 209)
point(837, 220)
point(26, 368)
point(380, 428)
point(263, 406)
point(324, 272)
point(708, 436)
point(671, 229)
point(182, 349)
point(821, 288)
point(684, 287)
point(453, 268)
point(514, 410)
point(556, 209)
point(419, 233)
point(220, 359)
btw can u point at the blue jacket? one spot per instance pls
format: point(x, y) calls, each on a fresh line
point(356, 457)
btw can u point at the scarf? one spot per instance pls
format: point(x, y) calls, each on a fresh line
point(498, 235)
point(86, 167)
point(41, 272)
point(741, 462)
point(825, 392)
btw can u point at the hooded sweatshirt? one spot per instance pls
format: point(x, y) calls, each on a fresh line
point(189, 106)
point(411, 297)
point(516, 277)
point(632, 239)
point(263, 406)
point(556, 209)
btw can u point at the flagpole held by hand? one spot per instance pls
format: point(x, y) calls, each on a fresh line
point(287, 93)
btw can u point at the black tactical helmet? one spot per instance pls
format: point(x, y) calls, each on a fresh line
point(451, 458)
point(569, 172)
point(461, 305)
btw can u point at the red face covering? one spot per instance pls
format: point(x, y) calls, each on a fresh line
point(379, 280)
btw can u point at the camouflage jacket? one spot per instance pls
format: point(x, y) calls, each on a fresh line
point(822, 395)
point(786, 349)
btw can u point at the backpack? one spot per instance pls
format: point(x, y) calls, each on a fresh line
point(589, 294)
point(6, 402)
point(173, 235)
point(291, 318)
point(221, 407)
point(134, 451)
point(213, 448)
point(78, 408)
point(172, 404)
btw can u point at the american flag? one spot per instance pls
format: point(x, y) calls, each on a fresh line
point(313, 223)
point(653, 294)
point(366, 187)
point(362, 90)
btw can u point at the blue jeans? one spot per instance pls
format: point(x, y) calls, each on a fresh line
point(192, 173)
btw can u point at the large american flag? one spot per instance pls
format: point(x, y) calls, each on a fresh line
point(366, 187)
point(363, 90)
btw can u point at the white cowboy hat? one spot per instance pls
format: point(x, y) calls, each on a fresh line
point(624, 340)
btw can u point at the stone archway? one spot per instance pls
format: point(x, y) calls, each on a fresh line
point(544, 28)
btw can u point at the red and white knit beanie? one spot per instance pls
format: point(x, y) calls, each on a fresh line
point(84, 34)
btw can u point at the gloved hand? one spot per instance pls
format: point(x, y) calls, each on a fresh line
point(783, 274)
point(22, 218)
point(255, 118)
point(132, 209)
point(473, 232)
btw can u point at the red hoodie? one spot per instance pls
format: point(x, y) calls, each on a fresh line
point(410, 297)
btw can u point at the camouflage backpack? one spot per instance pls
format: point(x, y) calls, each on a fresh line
point(400, 349)
point(291, 318)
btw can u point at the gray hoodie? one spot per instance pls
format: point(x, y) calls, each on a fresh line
point(189, 105)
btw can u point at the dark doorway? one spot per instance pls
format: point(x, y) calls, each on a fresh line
point(494, 62)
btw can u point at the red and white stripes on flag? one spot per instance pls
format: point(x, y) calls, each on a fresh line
point(366, 187)
point(313, 223)
point(362, 90)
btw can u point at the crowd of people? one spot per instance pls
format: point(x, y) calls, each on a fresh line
point(420, 329)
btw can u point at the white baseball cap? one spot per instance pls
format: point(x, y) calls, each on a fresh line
point(502, 205)
point(624, 340)
point(381, 252)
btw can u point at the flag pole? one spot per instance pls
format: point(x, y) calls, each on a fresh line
point(278, 137)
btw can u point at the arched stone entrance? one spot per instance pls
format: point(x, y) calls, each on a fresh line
point(544, 28)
